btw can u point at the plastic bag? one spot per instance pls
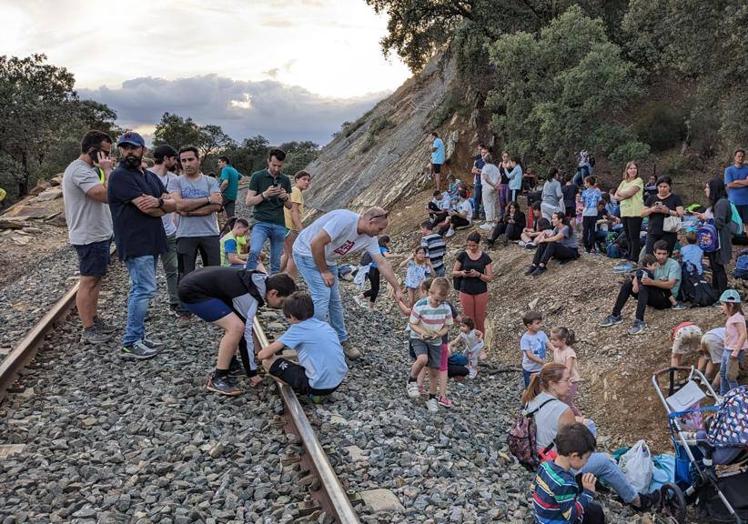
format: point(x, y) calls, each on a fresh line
point(637, 466)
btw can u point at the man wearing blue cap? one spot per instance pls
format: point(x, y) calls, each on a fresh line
point(136, 200)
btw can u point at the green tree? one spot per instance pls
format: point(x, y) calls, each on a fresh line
point(37, 100)
point(565, 90)
point(298, 155)
point(250, 155)
point(176, 131)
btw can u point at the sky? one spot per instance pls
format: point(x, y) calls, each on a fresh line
point(285, 69)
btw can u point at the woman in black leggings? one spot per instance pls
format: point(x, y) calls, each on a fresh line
point(561, 245)
point(510, 225)
point(629, 194)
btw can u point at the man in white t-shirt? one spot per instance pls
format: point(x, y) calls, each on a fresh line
point(316, 253)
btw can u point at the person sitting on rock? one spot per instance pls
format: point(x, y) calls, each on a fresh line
point(229, 298)
point(654, 291)
point(529, 233)
point(551, 414)
point(321, 368)
point(561, 244)
point(510, 227)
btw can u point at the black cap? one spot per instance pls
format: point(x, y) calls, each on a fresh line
point(163, 151)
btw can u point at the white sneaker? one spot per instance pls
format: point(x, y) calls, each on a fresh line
point(486, 226)
point(358, 299)
point(451, 232)
point(432, 405)
point(472, 373)
point(412, 389)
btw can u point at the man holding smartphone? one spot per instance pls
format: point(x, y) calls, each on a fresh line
point(268, 193)
point(84, 191)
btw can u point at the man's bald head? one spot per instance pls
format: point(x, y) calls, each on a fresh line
point(373, 221)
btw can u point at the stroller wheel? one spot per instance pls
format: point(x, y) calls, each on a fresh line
point(673, 502)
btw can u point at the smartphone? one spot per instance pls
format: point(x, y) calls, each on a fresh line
point(275, 183)
point(93, 153)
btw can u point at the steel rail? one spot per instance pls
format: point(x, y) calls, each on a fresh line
point(28, 346)
point(331, 495)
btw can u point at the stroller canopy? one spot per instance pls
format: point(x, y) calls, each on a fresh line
point(730, 425)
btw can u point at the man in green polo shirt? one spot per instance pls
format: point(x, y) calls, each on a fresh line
point(268, 192)
point(229, 185)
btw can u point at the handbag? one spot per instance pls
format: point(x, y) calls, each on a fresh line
point(671, 224)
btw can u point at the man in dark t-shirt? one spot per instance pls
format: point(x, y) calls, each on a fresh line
point(269, 192)
point(138, 200)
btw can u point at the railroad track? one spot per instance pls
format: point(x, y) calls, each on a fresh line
point(321, 480)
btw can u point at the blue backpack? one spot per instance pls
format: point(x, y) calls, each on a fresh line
point(741, 265)
point(707, 237)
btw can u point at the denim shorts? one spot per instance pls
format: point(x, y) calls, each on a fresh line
point(93, 258)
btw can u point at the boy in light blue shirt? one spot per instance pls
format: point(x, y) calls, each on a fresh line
point(533, 344)
point(692, 255)
point(321, 368)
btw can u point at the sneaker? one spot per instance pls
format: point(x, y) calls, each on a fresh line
point(648, 501)
point(235, 367)
point(472, 373)
point(611, 320)
point(530, 270)
point(486, 226)
point(225, 385)
point(350, 351)
point(623, 268)
point(153, 344)
point(444, 401)
point(412, 389)
point(637, 328)
point(93, 336)
point(530, 245)
point(521, 243)
point(679, 306)
point(103, 327)
point(539, 271)
point(137, 351)
point(432, 405)
point(359, 300)
point(450, 232)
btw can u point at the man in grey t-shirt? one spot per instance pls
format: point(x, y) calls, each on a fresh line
point(199, 200)
point(84, 192)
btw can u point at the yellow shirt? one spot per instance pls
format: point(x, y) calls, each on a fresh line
point(296, 198)
point(632, 207)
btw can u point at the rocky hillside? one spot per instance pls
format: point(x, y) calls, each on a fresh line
point(382, 156)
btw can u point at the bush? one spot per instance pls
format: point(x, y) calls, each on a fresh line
point(661, 126)
point(378, 124)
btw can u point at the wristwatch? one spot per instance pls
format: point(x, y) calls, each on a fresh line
point(160, 203)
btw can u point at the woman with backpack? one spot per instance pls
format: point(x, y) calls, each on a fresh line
point(542, 400)
point(721, 212)
point(664, 210)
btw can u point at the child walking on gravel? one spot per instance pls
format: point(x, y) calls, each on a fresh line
point(472, 341)
point(533, 345)
point(419, 267)
point(430, 319)
point(562, 340)
point(321, 367)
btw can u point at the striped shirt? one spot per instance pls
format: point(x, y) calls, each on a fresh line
point(556, 496)
point(435, 249)
point(431, 319)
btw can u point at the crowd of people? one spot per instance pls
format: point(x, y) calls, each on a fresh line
point(169, 209)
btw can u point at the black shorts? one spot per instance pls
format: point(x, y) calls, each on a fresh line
point(436, 168)
point(93, 258)
point(743, 211)
point(295, 376)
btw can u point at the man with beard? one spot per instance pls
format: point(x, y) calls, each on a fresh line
point(198, 199)
point(165, 161)
point(137, 203)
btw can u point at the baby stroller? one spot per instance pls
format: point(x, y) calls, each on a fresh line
point(708, 433)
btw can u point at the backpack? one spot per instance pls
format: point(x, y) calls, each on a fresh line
point(522, 438)
point(366, 259)
point(736, 221)
point(741, 265)
point(695, 289)
point(707, 237)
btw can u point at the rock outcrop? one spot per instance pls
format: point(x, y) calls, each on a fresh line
point(382, 157)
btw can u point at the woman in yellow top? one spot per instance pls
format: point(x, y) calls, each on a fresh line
point(234, 243)
point(630, 195)
point(293, 220)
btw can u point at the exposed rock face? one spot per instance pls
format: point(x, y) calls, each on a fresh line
point(388, 150)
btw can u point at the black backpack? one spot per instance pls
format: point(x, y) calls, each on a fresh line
point(695, 289)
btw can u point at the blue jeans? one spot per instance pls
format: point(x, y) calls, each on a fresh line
point(327, 304)
point(725, 384)
point(261, 231)
point(603, 467)
point(142, 287)
point(477, 199)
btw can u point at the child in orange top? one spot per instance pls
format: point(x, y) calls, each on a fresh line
point(561, 341)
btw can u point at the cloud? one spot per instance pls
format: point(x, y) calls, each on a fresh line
point(277, 111)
